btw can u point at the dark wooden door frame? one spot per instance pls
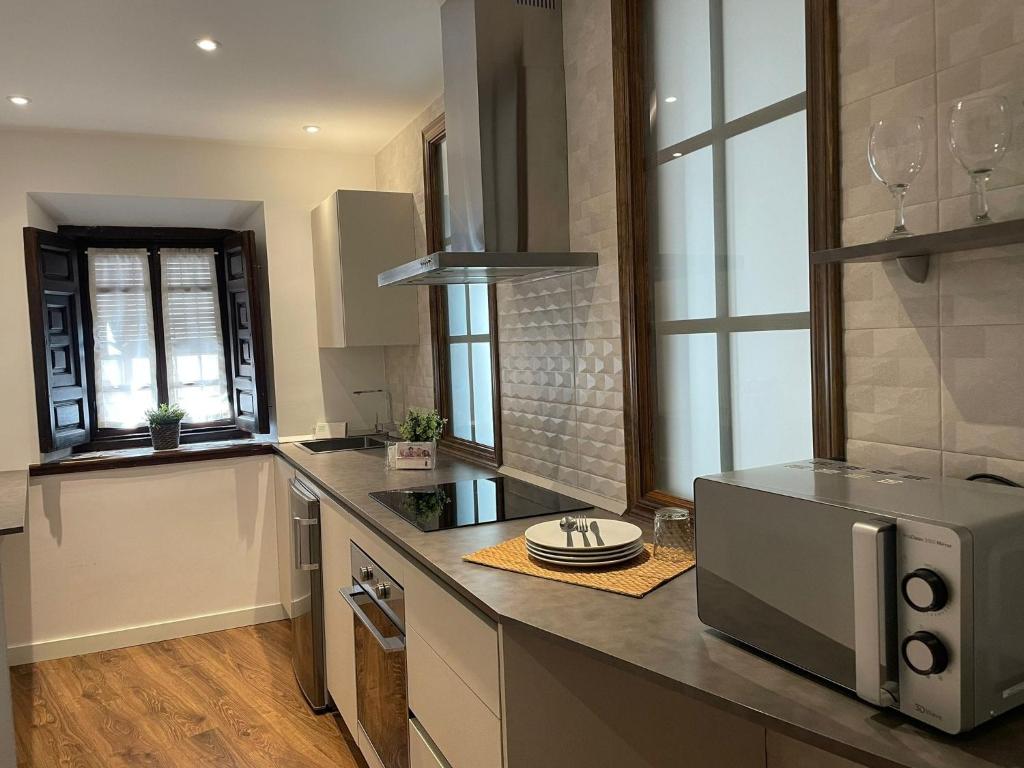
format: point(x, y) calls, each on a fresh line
point(629, 68)
point(433, 135)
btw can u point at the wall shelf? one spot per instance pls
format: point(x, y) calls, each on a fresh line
point(914, 252)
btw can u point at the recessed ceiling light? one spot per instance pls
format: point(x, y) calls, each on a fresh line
point(311, 128)
point(671, 99)
point(207, 44)
point(20, 101)
point(677, 154)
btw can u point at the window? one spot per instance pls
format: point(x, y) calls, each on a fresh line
point(124, 344)
point(193, 336)
point(722, 314)
point(126, 318)
point(464, 329)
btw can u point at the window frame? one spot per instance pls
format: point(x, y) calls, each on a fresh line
point(433, 135)
point(152, 239)
point(632, 110)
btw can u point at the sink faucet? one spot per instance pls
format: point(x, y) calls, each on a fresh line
point(379, 427)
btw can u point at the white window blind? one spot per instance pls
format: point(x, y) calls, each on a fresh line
point(125, 350)
point(193, 340)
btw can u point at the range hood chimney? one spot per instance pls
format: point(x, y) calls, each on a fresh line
point(504, 94)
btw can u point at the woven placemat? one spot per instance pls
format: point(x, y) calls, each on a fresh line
point(635, 578)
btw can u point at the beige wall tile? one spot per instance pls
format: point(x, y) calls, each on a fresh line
point(966, 28)
point(882, 456)
point(982, 396)
point(862, 192)
point(962, 466)
point(958, 388)
point(982, 287)
point(892, 386)
point(883, 43)
point(880, 295)
point(561, 337)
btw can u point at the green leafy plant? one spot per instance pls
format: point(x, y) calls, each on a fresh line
point(422, 425)
point(165, 414)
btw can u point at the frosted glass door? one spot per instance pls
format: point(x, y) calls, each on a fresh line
point(728, 237)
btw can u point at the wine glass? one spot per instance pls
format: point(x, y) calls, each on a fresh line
point(979, 132)
point(896, 154)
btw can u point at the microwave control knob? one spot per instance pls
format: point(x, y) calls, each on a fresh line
point(365, 573)
point(383, 590)
point(925, 654)
point(925, 591)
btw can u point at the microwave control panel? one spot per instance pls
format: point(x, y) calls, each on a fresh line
point(930, 603)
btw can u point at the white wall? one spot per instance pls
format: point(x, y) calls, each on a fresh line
point(119, 557)
point(289, 183)
point(174, 549)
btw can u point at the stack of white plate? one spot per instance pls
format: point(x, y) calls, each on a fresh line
point(603, 543)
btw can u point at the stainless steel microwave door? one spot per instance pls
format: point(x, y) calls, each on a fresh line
point(785, 586)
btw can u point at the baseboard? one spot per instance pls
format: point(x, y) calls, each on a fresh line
point(149, 633)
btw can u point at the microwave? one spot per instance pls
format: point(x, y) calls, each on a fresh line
point(905, 590)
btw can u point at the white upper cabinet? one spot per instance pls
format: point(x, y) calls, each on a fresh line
point(356, 235)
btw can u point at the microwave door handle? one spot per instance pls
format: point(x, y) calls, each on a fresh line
point(387, 644)
point(874, 611)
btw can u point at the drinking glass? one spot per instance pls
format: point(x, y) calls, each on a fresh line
point(896, 154)
point(979, 132)
point(673, 531)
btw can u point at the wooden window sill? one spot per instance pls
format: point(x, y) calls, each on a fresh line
point(145, 456)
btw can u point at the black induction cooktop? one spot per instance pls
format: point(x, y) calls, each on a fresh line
point(474, 502)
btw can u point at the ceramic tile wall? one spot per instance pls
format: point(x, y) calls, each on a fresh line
point(935, 372)
point(561, 340)
point(399, 167)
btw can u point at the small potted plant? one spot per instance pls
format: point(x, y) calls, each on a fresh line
point(165, 426)
point(418, 449)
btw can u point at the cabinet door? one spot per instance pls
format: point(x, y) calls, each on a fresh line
point(784, 752)
point(340, 640)
point(283, 474)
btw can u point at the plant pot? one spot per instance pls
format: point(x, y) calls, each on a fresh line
point(407, 455)
point(165, 436)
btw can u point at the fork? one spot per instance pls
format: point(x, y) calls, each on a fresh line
point(582, 525)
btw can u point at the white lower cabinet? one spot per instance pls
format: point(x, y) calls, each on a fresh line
point(422, 752)
point(335, 530)
point(464, 729)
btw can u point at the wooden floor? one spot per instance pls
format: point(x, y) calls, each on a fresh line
point(223, 699)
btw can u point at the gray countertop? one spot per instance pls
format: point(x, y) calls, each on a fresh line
point(13, 501)
point(659, 636)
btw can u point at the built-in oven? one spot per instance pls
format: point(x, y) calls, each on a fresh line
point(382, 702)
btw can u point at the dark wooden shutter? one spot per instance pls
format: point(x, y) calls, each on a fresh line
point(247, 375)
point(58, 339)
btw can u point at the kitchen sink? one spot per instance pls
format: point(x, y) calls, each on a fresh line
point(332, 444)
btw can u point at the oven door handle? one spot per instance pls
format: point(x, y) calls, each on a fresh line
point(874, 611)
point(387, 644)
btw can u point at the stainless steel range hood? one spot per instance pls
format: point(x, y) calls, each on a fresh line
point(504, 94)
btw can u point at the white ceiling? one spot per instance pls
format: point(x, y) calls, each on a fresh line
point(361, 69)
